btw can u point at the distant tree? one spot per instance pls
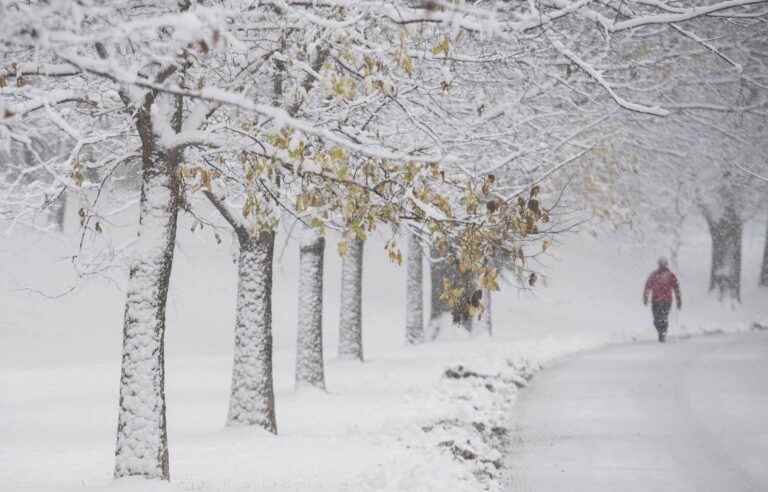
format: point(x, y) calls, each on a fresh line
point(414, 286)
point(437, 275)
point(764, 265)
point(485, 322)
point(726, 229)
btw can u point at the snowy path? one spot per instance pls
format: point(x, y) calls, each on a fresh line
point(691, 415)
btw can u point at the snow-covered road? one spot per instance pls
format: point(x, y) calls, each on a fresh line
point(690, 415)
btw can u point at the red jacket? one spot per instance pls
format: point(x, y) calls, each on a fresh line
point(661, 284)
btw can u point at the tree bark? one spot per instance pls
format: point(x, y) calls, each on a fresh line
point(252, 397)
point(309, 346)
point(764, 268)
point(725, 274)
point(59, 212)
point(351, 322)
point(438, 309)
point(142, 438)
point(485, 323)
point(471, 296)
point(414, 303)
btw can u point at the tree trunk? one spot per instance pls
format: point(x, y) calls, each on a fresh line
point(55, 212)
point(437, 273)
point(764, 268)
point(725, 274)
point(485, 323)
point(471, 297)
point(309, 346)
point(59, 212)
point(142, 439)
point(252, 397)
point(414, 303)
point(351, 322)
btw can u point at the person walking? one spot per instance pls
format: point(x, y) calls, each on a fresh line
point(661, 284)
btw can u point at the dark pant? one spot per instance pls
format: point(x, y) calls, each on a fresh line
point(660, 311)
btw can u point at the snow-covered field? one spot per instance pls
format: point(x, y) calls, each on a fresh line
point(392, 423)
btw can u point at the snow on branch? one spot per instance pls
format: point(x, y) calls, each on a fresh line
point(707, 45)
point(45, 69)
point(681, 15)
point(751, 173)
point(537, 18)
point(640, 108)
point(40, 101)
point(216, 95)
point(670, 14)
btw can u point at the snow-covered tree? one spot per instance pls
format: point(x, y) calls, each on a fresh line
point(80, 50)
point(657, 172)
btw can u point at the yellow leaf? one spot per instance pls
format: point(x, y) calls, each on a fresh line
point(488, 280)
point(318, 224)
point(342, 172)
point(395, 256)
point(442, 47)
point(474, 310)
point(205, 176)
point(471, 202)
point(360, 234)
point(301, 204)
point(408, 65)
point(343, 247)
point(338, 154)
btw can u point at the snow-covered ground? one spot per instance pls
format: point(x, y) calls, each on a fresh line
point(395, 422)
point(687, 416)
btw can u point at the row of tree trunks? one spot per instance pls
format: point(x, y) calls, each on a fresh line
point(143, 450)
